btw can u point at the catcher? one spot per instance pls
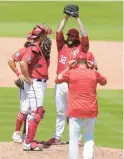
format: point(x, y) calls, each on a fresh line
point(45, 46)
point(68, 49)
point(46, 49)
point(34, 67)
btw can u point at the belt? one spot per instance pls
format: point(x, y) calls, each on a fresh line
point(41, 80)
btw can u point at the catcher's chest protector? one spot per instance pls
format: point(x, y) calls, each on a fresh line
point(39, 63)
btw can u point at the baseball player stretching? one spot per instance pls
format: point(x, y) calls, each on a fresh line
point(34, 68)
point(82, 106)
point(67, 50)
point(23, 101)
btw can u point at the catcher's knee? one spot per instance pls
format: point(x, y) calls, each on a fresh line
point(39, 114)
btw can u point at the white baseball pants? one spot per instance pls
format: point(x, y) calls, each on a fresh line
point(61, 95)
point(24, 102)
point(35, 93)
point(75, 125)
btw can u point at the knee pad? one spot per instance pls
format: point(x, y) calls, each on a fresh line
point(21, 116)
point(39, 114)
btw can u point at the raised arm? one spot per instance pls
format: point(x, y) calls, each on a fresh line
point(62, 24)
point(64, 75)
point(60, 41)
point(81, 27)
point(84, 38)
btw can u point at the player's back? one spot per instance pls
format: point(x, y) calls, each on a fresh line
point(82, 92)
point(85, 79)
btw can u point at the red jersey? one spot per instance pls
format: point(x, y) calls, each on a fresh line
point(82, 98)
point(65, 54)
point(18, 55)
point(37, 64)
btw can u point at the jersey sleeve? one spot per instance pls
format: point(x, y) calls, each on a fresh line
point(90, 57)
point(18, 55)
point(62, 77)
point(60, 41)
point(29, 56)
point(100, 79)
point(84, 44)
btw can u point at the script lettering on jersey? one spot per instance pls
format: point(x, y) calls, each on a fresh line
point(74, 53)
point(63, 59)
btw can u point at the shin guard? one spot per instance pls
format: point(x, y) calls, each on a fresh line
point(19, 120)
point(36, 116)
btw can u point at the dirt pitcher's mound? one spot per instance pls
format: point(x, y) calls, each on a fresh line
point(14, 151)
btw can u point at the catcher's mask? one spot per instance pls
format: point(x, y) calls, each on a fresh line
point(38, 30)
point(73, 37)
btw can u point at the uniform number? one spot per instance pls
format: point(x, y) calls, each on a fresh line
point(63, 59)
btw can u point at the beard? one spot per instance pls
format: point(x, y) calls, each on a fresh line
point(71, 43)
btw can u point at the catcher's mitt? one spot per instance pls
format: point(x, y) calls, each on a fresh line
point(71, 10)
point(46, 47)
point(19, 83)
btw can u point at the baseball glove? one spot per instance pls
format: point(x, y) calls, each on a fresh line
point(71, 10)
point(46, 47)
point(19, 83)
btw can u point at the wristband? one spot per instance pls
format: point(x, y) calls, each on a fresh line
point(17, 72)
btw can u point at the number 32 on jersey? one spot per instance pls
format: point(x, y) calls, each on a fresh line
point(63, 59)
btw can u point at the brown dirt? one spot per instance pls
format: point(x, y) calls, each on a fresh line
point(14, 151)
point(109, 57)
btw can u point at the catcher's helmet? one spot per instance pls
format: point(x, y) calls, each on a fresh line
point(81, 57)
point(73, 32)
point(38, 30)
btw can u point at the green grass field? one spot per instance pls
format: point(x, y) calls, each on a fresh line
point(102, 20)
point(108, 131)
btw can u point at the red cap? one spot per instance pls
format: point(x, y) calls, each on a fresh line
point(73, 32)
point(81, 57)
